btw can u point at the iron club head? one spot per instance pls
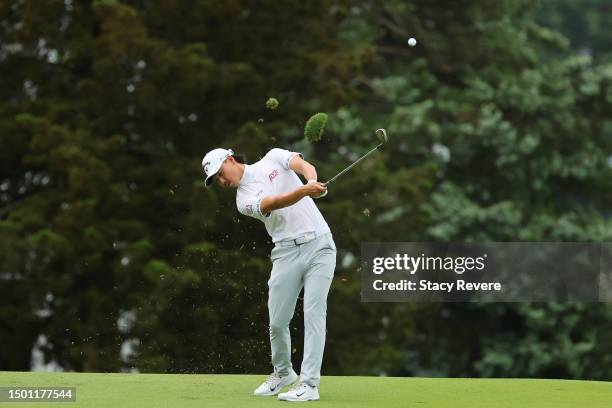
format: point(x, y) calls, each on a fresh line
point(381, 134)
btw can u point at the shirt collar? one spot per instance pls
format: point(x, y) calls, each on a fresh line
point(247, 175)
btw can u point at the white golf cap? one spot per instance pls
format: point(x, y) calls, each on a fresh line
point(211, 163)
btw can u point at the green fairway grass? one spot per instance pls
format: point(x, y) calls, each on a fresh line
point(206, 391)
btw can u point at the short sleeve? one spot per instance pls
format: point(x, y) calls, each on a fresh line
point(282, 156)
point(250, 205)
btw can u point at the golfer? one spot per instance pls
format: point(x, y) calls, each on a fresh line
point(304, 256)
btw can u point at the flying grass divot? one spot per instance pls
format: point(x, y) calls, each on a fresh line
point(315, 127)
point(272, 103)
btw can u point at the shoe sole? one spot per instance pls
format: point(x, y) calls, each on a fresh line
point(298, 400)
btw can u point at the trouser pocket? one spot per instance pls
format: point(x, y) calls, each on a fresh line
point(278, 252)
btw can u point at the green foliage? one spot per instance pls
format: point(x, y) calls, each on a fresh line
point(519, 150)
point(584, 24)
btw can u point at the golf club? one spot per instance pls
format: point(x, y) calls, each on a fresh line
point(381, 135)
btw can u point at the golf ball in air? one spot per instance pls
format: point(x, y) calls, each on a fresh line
point(411, 42)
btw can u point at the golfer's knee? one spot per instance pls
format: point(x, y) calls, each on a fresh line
point(277, 328)
point(314, 318)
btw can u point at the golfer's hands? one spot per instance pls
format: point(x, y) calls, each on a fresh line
point(315, 189)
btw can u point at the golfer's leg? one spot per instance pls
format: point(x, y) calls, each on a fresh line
point(283, 289)
point(317, 281)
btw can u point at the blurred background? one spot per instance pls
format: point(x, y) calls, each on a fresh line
point(114, 257)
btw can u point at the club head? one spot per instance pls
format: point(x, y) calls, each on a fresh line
point(381, 134)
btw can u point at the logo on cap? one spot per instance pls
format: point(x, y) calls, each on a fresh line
point(206, 167)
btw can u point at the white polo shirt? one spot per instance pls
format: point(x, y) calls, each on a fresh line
point(270, 176)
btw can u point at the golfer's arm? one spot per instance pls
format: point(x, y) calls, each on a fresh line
point(302, 167)
point(274, 202)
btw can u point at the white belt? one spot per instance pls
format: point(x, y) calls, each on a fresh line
point(297, 241)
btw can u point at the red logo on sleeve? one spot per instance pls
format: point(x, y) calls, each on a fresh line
point(273, 175)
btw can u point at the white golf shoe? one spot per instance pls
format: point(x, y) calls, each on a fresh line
point(301, 392)
point(274, 384)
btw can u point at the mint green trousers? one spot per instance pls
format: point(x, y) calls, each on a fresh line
point(309, 266)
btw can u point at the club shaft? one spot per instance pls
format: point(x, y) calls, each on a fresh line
point(353, 164)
